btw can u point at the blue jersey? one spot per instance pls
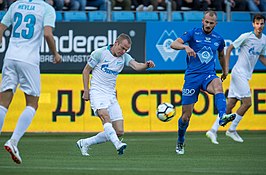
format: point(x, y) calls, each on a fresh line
point(206, 47)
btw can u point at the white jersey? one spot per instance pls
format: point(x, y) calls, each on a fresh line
point(28, 18)
point(106, 67)
point(251, 48)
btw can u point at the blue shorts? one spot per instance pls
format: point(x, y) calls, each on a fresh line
point(192, 86)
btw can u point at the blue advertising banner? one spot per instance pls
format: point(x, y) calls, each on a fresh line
point(159, 37)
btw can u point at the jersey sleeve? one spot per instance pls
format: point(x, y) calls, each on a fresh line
point(128, 58)
point(240, 40)
point(49, 16)
point(187, 35)
point(94, 58)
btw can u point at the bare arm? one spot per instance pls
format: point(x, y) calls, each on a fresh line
point(178, 44)
point(2, 29)
point(49, 37)
point(141, 66)
point(263, 60)
point(86, 79)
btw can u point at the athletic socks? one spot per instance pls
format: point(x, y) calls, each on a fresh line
point(235, 122)
point(215, 125)
point(97, 139)
point(111, 134)
point(220, 103)
point(182, 127)
point(23, 123)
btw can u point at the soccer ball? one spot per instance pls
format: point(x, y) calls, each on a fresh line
point(165, 112)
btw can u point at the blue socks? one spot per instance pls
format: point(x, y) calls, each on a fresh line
point(220, 103)
point(182, 128)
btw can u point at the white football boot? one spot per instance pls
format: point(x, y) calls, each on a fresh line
point(234, 136)
point(13, 150)
point(121, 148)
point(82, 147)
point(212, 136)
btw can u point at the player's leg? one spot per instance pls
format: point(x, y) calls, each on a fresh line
point(108, 128)
point(214, 86)
point(8, 87)
point(85, 144)
point(23, 123)
point(239, 89)
point(231, 132)
point(118, 123)
point(119, 128)
point(25, 118)
point(190, 92)
point(29, 80)
point(5, 100)
point(212, 133)
point(183, 123)
point(102, 137)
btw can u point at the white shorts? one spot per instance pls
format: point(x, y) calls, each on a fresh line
point(26, 75)
point(239, 87)
point(109, 103)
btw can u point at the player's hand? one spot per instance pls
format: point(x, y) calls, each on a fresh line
point(150, 64)
point(57, 59)
point(86, 95)
point(190, 52)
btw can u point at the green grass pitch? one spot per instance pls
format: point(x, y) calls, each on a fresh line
point(146, 154)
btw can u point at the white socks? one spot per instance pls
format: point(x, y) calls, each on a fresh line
point(216, 125)
point(97, 139)
point(111, 134)
point(232, 127)
point(108, 134)
point(23, 123)
point(235, 122)
point(3, 111)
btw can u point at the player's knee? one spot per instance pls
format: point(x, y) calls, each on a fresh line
point(119, 133)
point(186, 117)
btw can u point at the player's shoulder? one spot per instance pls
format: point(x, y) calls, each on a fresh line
point(101, 49)
point(14, 4)
point(193, 31)
point(247, 34)
point(215, 34)
point(196, 30)
point(98, 52)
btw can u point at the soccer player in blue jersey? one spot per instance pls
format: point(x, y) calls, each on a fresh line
point(30, 21)
point(252, 48)
point(202, 46)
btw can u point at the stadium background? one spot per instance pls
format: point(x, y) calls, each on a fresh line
point(62, 110)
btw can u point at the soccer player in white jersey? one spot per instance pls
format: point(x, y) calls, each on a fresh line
point(30, 20)
point(105, 64)
point(252, 47)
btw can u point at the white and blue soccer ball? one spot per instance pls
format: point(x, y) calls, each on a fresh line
point(165, 112)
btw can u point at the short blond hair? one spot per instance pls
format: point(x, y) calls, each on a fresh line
point(122, 37)
point(211, 13)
